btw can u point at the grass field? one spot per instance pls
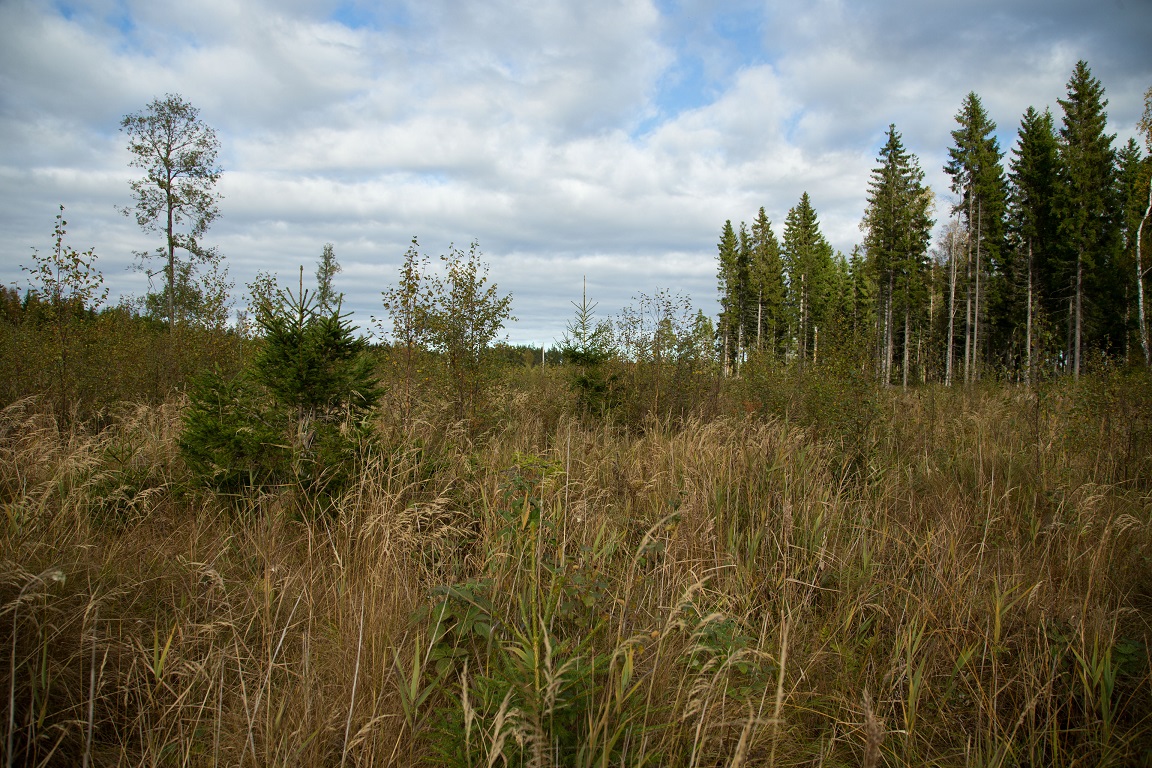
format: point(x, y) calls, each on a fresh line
point(932, 577)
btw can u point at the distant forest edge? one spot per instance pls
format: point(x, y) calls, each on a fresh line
point(1038, 272)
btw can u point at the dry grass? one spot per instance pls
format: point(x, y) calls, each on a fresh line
point(736, 591)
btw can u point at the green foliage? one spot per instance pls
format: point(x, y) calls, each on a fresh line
point(410, 306)
point(768, 324)
point(177, 153)
point(1089, 216)
point(807, 264)
point(467, 316)
point(733, 283)
point(586, 347)
point(519, 671)
point(1032, 233)
point(297, 415)
point(668, 359)
point(71, 288)
point(233, 439)
point(327, 298)
point(200, 300)
point(897, 226)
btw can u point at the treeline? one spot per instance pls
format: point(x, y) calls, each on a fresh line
point(1038, 268)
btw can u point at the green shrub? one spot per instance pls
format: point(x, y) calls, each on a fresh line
point(296, 415)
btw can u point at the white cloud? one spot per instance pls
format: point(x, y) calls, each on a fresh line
point(607, 139)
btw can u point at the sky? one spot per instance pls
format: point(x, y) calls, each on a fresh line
point(597, 140)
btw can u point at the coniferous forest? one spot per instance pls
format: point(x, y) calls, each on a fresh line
point(891, 507)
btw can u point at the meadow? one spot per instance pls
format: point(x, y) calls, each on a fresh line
point(789, 570)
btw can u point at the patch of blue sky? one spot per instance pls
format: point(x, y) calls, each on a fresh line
point(686, 85)
point(116, 16)
point(66, 11)
point(362, 14)
point(742, 34)
point(712, 45)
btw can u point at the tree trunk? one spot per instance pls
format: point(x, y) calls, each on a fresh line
point(976, 311)
point(803, 319)
point(739, 347)
point(759, 317)
point(1079, 312)
point(724, 334)
point(171, 258)
point(889, 340)
point(951, 307)
point(1069, 344)
point(1140, 284)
point(1028, 334)
point(904, 372)
point(968, 308)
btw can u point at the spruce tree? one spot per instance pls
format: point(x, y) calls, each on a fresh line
point(897, 226)
point(296, 415)
point(766, 277)
point(745, 299)
point(1088, 211)
point(978, 177)
point(728, 278)
point(807, 264)
point(1032, 226)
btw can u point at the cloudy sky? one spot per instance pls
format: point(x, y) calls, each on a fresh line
point(600, 138)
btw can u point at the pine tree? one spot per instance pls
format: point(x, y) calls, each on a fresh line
point(897, 226)
point(1088, 209)
point(978, 177)
point(1131, 170)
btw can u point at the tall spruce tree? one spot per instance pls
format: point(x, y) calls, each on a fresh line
point(807, 264)
point(863, 289)
point(1032, 226)
point(978, 177)
point(897, 226)
point(731, 292)
point(1088, 211)
point(766, 286)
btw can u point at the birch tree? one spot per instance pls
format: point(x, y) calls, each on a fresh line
point(1145, 126)
point(177, 196)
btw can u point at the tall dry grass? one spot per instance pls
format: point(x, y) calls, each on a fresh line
point(963, 580)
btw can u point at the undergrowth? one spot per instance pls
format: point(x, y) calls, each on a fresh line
point(946, 577)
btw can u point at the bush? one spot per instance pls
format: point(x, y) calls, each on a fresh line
point(296, 415)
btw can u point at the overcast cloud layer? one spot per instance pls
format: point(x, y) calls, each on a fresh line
point(606, 138)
